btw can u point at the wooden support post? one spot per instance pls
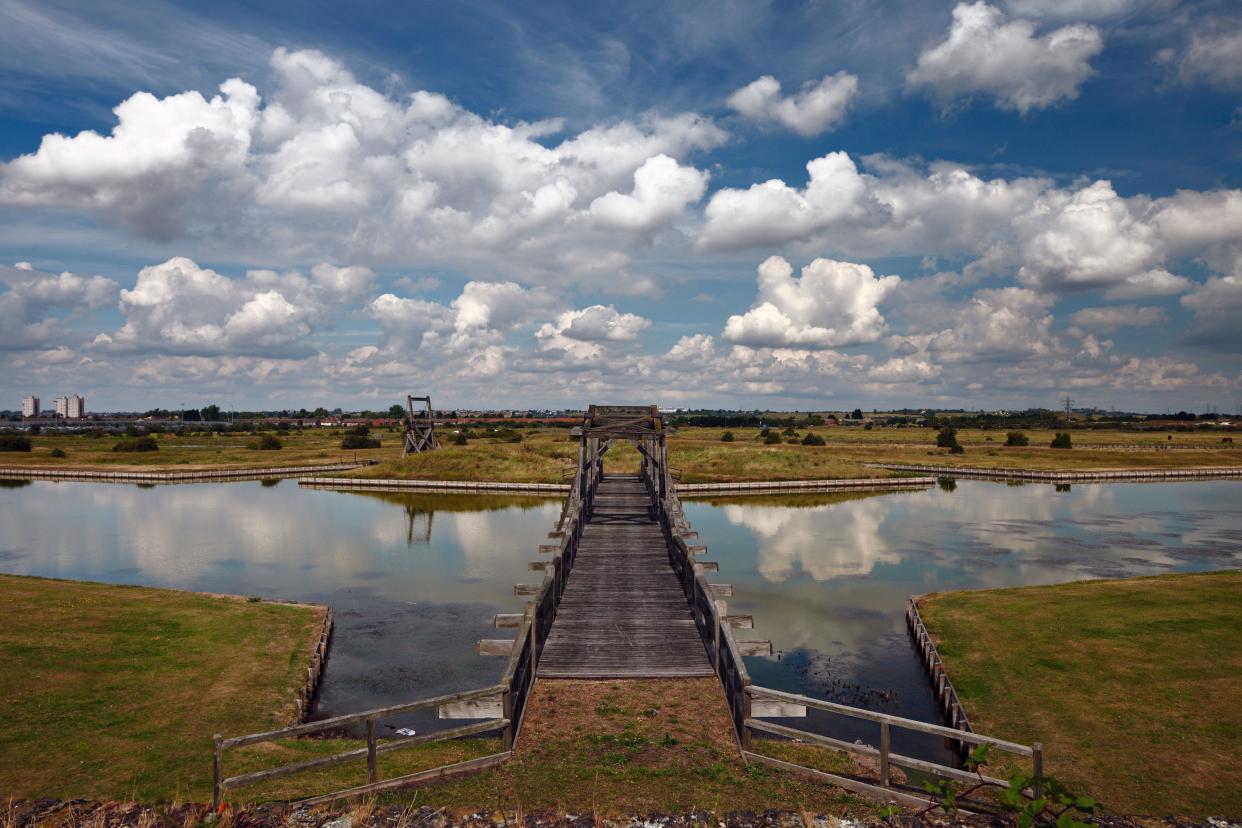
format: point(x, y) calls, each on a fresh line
point(372, 770)
point(218, 740)
point(1037, 760)
point(506, 704)
point(533, 615)
point(884, 748)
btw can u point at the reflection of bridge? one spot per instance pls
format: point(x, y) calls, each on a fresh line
point(624, 594)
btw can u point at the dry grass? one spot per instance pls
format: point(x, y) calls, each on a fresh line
point(547, 455)
point(636, 746)
point(1134, 686)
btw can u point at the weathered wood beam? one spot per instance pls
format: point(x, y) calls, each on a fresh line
point(494, 646)
point(507, 620)
point(722, 590)
point(710, 566)
point(737, 622)
point(526, 589)
point(767, 709)
point(539, 566)
point(754, 648)
point(488, 708)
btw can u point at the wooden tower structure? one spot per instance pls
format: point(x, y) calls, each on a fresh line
point(420, 428)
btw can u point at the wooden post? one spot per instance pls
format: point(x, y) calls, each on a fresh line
point(372, 771)
point(884, 743)
point(218, 740)
point(1037, 761)
point(532, 612)
point(506, 705)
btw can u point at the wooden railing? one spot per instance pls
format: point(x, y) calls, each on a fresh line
point(512, 691)
point(709, 612)
point(370, 719)
point(883, 753)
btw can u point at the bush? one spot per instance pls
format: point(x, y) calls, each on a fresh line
point(137, 444)
point(727, 437)
point(771, 439)
point(867, 427)
point(58, 452)
point(947, 438)
point(812, 440)
point(267, 443)
point(460, 439)
point(1017, 438)
point(359, 441)
point(360, 431)
point(14, 442)
point(1062, 440)
point(508, 435)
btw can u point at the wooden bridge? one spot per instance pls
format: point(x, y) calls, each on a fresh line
point(624, 594)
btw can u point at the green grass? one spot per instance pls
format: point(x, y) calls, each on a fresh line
point(1133, 686)
point(115, 691)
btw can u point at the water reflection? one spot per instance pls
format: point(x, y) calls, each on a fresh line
point(411, 593)
point(827, 579)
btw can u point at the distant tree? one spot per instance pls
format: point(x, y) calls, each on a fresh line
point(14, 442)
point(210, 412)
point(812, 440)
point(360, 430)
point(1062, 440)
point(396, 411)
point(857, 414)
point(727, 437)
point(319, 413)
point(359, 441)
point(947, 438)
point(268, 443)
point(1017, 438)
point(36, 428)
point(814, 420)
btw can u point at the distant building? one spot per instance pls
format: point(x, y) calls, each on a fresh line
point(30, 406)
point(72, 407)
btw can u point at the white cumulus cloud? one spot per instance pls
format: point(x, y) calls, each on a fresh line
point(817, 107)
point(985, 54)
point(832, 304)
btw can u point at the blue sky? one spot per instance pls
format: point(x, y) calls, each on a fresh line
point(779, 205)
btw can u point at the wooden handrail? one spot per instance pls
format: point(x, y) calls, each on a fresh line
point(908, 724)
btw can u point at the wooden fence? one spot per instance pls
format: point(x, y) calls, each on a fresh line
point(883, 753)
point(370, 719)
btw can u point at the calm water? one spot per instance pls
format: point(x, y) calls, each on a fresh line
point(415, 580)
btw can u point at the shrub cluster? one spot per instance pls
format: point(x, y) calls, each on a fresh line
point(14, 442)
point(812, 440)
point(265, 443)
point(947, 438)
point(1017, 438)
point(57, 452)
point(359, 441)
point(771, 438)
point(1062, 440)
point(137, 444)
point(727, 437)
point(460, 438)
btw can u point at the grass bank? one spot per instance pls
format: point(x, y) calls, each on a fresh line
point(1134, 686)
point(114, 691)
point(547, 455)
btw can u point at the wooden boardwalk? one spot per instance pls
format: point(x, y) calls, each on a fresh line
point(623, 613)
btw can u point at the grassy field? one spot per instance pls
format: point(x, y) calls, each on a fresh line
point(115, 691)
point(1133, 686)
point(545, 456)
